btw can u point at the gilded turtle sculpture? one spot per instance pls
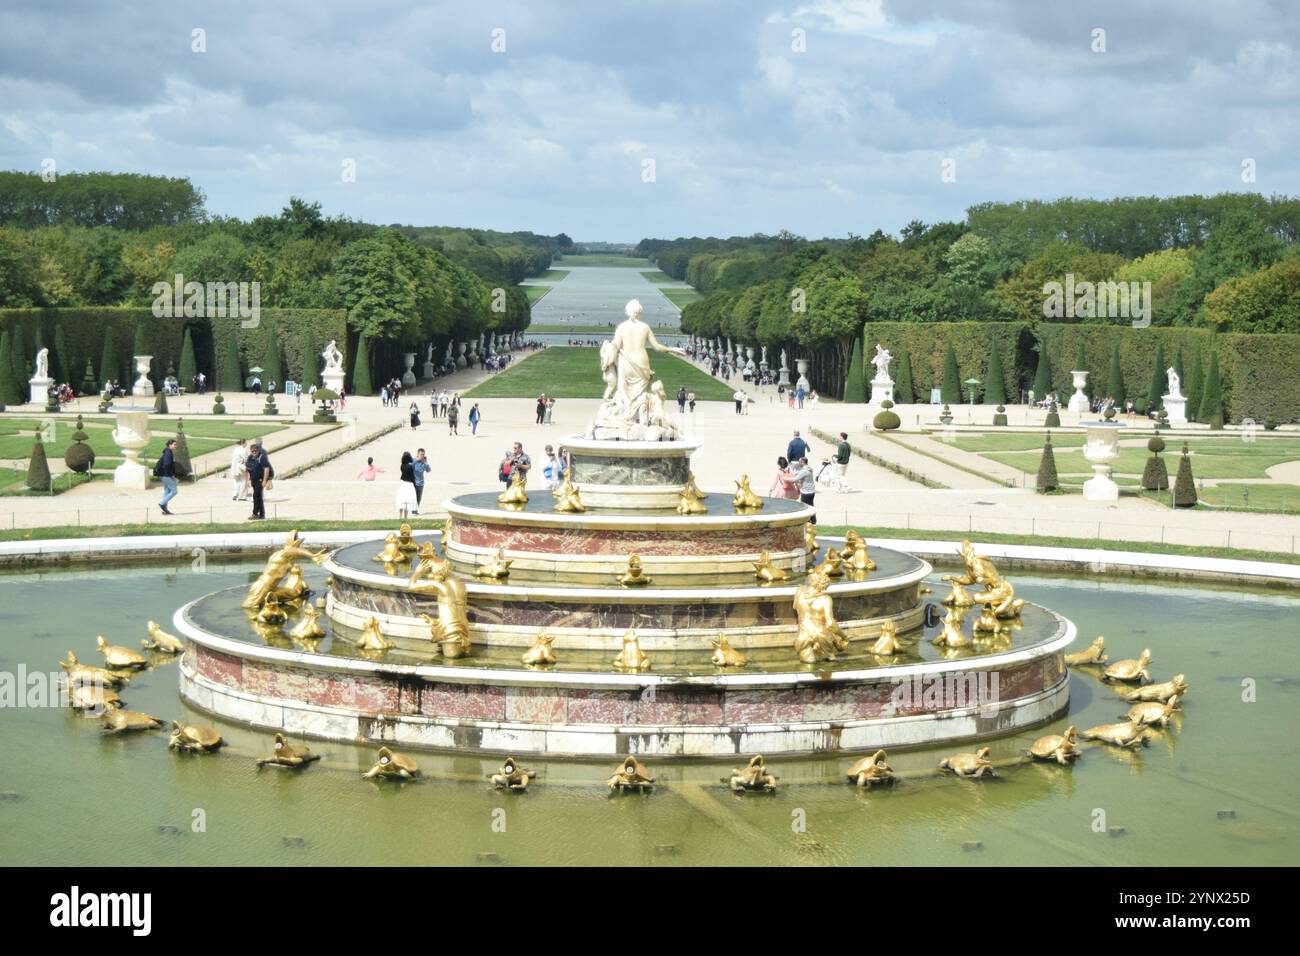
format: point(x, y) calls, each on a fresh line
point(631, 775)
point(194, 737)
point(724, 655)
point(755, 776)
point(766, 571)
point(1059, 747)
point(79, 673)
point(1153, 713)
point(541, 654)
point(872, 771)
point(392, 766)
point(120, 658)
point(511, 776)
point(631, 657)
point(1129, 671)
point(287, 755)
point(160, 640)
point(1177, 686)
point(977, 764)
point(1123, 734)
point(129, 721)
point(1094, 653)
point(92, 696)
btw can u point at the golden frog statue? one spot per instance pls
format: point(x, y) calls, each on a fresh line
point(988, 623)
point(79, 673)
point(277, 566)
point(511, 776)
point(541, 654)
point(820, 635)
point(766, 571)
point(951, 635)
point(872, 771)
point(958, 596)
point(427, 564)
point(372, 639)
point(855, 552)
point(1152, 712)
point(497, 567)
point(1123, 734)
point(451, 629)
point(977, 764)
point(406, 541)
point(568, 500)
point(724, 655)
point(690, 500)
point(745, 499)
point(129, 721)
point(120, 658)
point(631, 775)
point(293, 587)
point(631, 658)
point(832, 565)
point(1094, 653)
point(515, 494)
point(160, 640)
point(287, 755)
point(888, 644)
point(1059, 747)
point(272, 612)
point(1129, 671)
point(194, 737)
point(392, 552)
point(634, 575)
point(1161, 692)
point(393, 766)
point(308, 627)
point(1002, 596)
point(755, 776)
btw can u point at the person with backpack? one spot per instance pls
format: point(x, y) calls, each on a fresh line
point(260, 474)
point(474, 416)
point(166, 470)
point(503, 470)
point(453, 417)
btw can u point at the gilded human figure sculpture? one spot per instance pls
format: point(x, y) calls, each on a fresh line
point(541, 654)
point(371, 638)
point(451, 629)
point(567, 498)
point(1129, 671)
point(120, 658)
point(631, 775)
point(755, 776)
point(810, 538)
point(160, 640)
point(277, 566)
point(391, 765)
point(631, 657)
point(392, 552)
point(690, 500)
point(511, 776)
point(1162, 691)
point(872, 771)
point(1094, 653)
point(820, 635)
point(977, 764)
point(768, 572)
point(888, 644)
point(308, 627)
point(498, 566)
point(515, 494)
point(427, 564)
point(745, 499)
point(1062, 748)
point(285, 754)
point(724, 655)
point(195, 738)
point(633, 575)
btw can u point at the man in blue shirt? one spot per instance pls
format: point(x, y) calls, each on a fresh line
point(421, 467)
point(797, 448)
point(259, 473)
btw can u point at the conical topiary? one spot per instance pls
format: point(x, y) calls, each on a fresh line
point(108, 368)
point(1043, 375)
point(361, 372)
point(79, 457)
point(1115, 379)
point(903, 389)
point(1159, 379)
point(1047, 480)
point(1053, 416)
point(160, 403)
point(88, 384)
point(950, 391)
point(886, 419)
point(189, 369)
point(995, 393)
point(38, 470)
point(181, 453)
point(1155, 477)
point(1185, 484)
point(310, 365)
point(230, 377)
point(855, 383)
point(1211, 409)
point(272, 369)
point(8, 390)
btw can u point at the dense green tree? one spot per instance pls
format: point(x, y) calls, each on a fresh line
point(1159, 379)
point(855, 385)
point(1193, 387)
point(1264, 301)
point(950, 390)
point(9, 393)
point(903, 389)
point(995, 380)
point(1211, 405)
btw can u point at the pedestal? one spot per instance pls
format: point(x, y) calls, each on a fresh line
point(143, 388)
point(1079, 401)
point(408, 377)
point(881, 389)
point(1176, 407)
point(332, 378)
point(429, 370)
point(1101, 448)
point(40, 394)
point(132, 436)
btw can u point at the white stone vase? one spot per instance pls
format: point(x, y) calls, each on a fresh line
point(143, 388)
point(132, 436)
point(1079, 401)
point(1101, 448)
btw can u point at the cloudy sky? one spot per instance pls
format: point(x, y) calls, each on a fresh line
point(610, 119)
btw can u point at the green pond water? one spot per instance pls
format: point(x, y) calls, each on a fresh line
point(1218, 788)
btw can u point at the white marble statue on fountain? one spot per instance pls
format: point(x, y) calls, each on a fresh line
point(630, 409)
point(882, 386)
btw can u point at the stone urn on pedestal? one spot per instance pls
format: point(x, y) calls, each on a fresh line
point(1101, 448)
point(1079, 401)
point(460, 354)
point(132, 436)
point(143, 388)
point(408, 377)
point(801, 366)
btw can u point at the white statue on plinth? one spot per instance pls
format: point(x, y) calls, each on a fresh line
point(42, 364)
point(630, 409)
point(882, 386)
point(881, 362)
point(333, 357)
point(1174, 382)
point(1175, 403)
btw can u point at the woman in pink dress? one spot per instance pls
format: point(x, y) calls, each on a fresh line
point(784, 483)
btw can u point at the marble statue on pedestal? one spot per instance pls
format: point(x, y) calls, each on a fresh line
point(785, 370)
point(882, 386)
point(332, 376)
point(1175, 403)
point(41, 381)
point(632, 409)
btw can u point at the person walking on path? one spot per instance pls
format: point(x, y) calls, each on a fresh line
point(690, 400)
point(370, 472)
point(550, 409)
point(260, 474)
point(239, 470)
point(420, 467)
point(474, 416)
point(807, 485)
point(166, 470)
point(552, 469)
point(784, 484)
point(798, 448)
point(740, 401)
point(415, 416)
point(681, 400)
point(406, 500)
point(843, 452)
point(453, 416)
point(541, 408)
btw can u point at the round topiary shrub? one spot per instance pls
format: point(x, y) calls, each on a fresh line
point(218, 405)
point(79, 457)
point(1140, 406)
point(269, 408)
point(1155, 476)
point(1155, 444)
point(1053, 417)
point(886, 420)
point(1001, 417)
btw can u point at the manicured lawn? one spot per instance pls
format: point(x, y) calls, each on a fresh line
point(628, 262)
point(550, 275)
point(659, 278)
point(13, 481)
point(680, 297)
point(575, 373)
point(1013, 442)
point(605, 330)
point(536, 293)
point(1275, 498)
point(18, 434)
point(1205, 464)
